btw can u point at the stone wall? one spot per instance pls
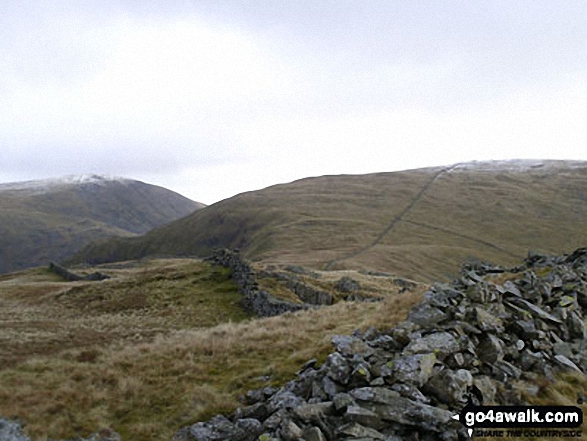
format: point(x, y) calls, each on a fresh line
point(481, 338)
point(260, 302)
point(72, 277)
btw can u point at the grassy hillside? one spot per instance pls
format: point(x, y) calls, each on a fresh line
point(160, 345)
point(419, 224)
point(42, 221)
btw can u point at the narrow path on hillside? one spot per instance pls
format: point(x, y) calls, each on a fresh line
point(464, 236)
point(394, 221)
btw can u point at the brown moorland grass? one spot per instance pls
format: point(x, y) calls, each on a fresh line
point(41, 315)
point(419, 224)
point(146, 390)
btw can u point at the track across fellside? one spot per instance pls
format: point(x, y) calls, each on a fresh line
point(398, 218)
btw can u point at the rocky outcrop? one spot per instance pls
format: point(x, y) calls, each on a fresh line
point(260, 302)
point(473, 339)
point(71, 277)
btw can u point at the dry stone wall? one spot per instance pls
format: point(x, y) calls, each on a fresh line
point(260, 302)
point(487, 336)
point(72, 277)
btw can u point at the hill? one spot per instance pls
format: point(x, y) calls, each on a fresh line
point(52, 219)
point(421, 224)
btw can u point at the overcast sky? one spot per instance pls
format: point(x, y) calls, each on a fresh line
point(213, 98)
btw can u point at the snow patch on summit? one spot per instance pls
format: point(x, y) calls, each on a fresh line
point(45, 185)
point(517, 165)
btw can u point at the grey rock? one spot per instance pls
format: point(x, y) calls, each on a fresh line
point(338, 368)
point(358, 431)
point(217, 429)
point(426, 315)
point(411, 392)
point(402, 332)
point(379, 381)
point(415, 369)
point(490, 349)
point(330, 387)
point(360, 415)
point(536, 310)
point(487, 321)
point(404, 411)
point(258, 411)
point(439, 344)
point(508, 369)
point(11, 431)
point(275, 420)
point(450, 386)
point(290, 431)
point(563, 348)
point(252, 427)
point(348, 345)
point(525, 329)
point(510, 288)
point(342, 401)
point(486, 386)
point(471, 336)
point(361, 375)
point(313, 434)
point(385, 342)
point(564, 361)
point(311, 413)
point(284, 400)
point(346, 284)
point(577, 326)
point(374, 394)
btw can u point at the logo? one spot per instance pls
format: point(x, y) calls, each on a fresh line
point(521, 420)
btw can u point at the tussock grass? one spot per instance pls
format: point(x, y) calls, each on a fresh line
point(42, 315)
point(172, 374)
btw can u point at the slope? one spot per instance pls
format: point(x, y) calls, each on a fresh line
point(51, 220)
point(419, 224)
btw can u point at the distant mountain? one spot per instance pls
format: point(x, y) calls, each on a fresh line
point(419, 223)
point(52, 219)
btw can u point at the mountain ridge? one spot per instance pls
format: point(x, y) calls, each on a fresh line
point(420, 224)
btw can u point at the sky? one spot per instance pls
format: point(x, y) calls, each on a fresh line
point(211, 98)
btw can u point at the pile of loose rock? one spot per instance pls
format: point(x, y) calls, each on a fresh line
point(490, 335)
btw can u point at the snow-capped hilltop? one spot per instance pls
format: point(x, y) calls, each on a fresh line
point(42, 185)
point(518, 165)
point(51, 219)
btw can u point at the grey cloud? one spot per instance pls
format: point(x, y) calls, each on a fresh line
point(155, 88)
